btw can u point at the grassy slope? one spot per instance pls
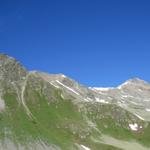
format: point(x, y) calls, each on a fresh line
point(59, 121)
point(108, 119)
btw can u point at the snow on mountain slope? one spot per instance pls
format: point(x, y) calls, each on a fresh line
point(133, 95)
point(52, 111)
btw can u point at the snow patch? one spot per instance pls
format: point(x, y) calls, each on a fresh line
point(85, 148)
point(146, 100)
point(100, 100)
point(139, 90)
point(72, 90)
point(87, 99)
point(134, 126)
point(63, 76)
point(54, 85)
point(124, 96)
point(122, 85)
point(127, 96)
point(147, 109)
point(101, 89)
point(140, 117)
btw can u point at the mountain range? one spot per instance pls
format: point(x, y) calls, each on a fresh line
point(41, 111)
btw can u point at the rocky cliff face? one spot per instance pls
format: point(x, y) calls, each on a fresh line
point(40, 111)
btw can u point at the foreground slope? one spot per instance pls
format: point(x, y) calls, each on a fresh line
point(39, 111)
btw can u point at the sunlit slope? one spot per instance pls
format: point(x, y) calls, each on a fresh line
point(39, 111)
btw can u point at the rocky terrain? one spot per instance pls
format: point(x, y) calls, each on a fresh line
point(40, 111)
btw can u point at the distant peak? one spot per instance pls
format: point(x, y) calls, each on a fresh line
point(133, 81)
point(136, 80)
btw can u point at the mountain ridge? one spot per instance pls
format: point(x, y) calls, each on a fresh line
point(40, 111)
point(5, 58)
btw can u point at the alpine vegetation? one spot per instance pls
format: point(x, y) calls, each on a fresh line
point(40, 111)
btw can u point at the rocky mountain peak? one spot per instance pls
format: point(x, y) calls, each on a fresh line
point(135, 82)
point(11, 69)
point(31, 102)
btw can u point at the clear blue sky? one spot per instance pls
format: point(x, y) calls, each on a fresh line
point(96, 42)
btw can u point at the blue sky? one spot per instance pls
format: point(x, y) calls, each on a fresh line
point(96, 42)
